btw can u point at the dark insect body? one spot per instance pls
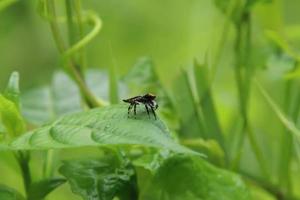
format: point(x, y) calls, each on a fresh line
point(148, 100)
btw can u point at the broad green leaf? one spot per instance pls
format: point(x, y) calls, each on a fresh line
point(10, 117)
point(191, 178)
point(109, 125)
point(12, 91)
point(7, 193)
point(39, 190)
point(43, 104)
point(101, 179)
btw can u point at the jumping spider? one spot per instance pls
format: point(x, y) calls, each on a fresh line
point(148, 100)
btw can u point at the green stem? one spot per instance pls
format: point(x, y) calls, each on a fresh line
point(70, 22)
point(49, 163)
point(97, 24)
point(225, 30)
point(269, 187)
point(78, 14)
point(243, 76)
point(198, 111)
point(69, 64)
point(23, 160)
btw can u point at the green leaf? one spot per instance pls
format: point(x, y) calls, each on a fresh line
point(191, 178)
point(10, 117)
point(7, 193)
point(39, 190)
point(101, 179)
point(61, 97)
point(282, 44)
point(109, 125)
point(187, 108)
point(206, 102)
point(12, 91)
point(211, 148)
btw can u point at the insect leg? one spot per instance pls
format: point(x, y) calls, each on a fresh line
point(153, 112)
point(147, 110)
point(134, 108)
point(129, 108)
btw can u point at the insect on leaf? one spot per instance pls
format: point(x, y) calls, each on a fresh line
point(109, 125)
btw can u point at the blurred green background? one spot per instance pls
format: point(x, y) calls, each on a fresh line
point(172, 33)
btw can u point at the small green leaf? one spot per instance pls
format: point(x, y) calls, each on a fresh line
point(7, 193)
point(39, 190)
point(101, 179)
point(12, 91)
point(10, 117)
point(191, 178)
point(109, 125)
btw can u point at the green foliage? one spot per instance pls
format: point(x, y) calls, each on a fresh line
point(39, 190)
point(206, 102)
point(61, 97)
point(109, 125)
point(101, 179)
point(12, 91)
point(206, 108)
point(186, 107)
point(142, 77)
point(7, 193)
point(11, 117)
point(191, 178)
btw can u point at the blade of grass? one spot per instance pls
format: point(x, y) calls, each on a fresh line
point(206, 103)
point(293, 131)
point(282, 117)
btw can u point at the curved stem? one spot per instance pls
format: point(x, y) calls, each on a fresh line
point(69, 64)
point(84, 41)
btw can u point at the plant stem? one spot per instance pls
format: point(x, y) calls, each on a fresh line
point(49, 163)
point(23, 158)
point(243, 76)
point(77, 9)
point(269, 187)
point(69, 64)
point(70, 22)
